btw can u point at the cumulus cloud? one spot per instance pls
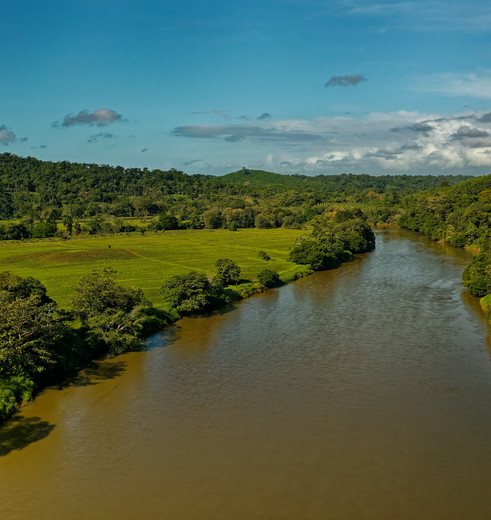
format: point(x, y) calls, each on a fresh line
point(466, 132)
point(103, 135)
point(485, 118)
point(6, 136)
point(345, 81)
point(420, 127)
point(401, 141)
point(99, 117)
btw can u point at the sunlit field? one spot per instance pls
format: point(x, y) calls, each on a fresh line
point(146, 261)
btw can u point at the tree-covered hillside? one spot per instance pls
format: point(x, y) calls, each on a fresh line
point(43, 191)
point(346, 183)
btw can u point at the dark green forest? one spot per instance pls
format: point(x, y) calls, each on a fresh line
point(91, 198)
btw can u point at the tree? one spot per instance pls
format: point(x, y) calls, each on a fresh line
point(114, 315)
point(268, 278)
point(477, 275)
point(44, 229)
point(187, 293)
point(30, 334)
point(31, 327)
point(227, 270)
point(15, 287)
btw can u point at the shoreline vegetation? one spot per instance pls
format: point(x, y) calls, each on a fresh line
point(97, 257)
point(42, 343)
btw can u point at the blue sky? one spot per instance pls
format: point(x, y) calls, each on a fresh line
point(292, 86)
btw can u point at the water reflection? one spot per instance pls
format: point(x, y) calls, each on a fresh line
point(94, 373)
point(21, 431)
point(356, 394)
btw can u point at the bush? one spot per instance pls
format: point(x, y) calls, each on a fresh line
point(263, 255)
point(227, 270)
point(113, 315)
point(44, 230)
point(268, 278)
point(187, 293)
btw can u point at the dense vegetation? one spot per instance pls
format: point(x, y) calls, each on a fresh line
point(39, 341)
point(46, 198)
point(461, 216)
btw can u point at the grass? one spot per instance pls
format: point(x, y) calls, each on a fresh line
point(147, 261)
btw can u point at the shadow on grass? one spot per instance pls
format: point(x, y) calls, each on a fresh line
point(94, 373)
point(19, 432)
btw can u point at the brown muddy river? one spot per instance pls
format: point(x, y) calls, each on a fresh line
point(362, 393)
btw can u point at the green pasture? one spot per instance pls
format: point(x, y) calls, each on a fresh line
point(146, 261)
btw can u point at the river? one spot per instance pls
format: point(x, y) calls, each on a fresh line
point(362, 393)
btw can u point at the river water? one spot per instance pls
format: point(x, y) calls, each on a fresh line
point(362, 393)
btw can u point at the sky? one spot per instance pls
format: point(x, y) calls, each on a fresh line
point(291, 86)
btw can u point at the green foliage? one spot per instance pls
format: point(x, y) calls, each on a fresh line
point(31, 333)
point(263, 256)
point(227, 270)
point(460, 215)
point(44, 230)
point(333, 241)
point(268, 278)
point(44, 192)
point(165, 222)
point(17, 287)
point(188, 293)
point(486, 305)
point(114, 315)
point(14, 391)
point(477, 275)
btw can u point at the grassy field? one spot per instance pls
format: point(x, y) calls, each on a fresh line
point(146, 261)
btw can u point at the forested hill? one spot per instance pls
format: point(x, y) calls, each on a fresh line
point(344, 182)
point(30, 187)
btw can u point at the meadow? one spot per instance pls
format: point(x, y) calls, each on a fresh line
point(147, 261)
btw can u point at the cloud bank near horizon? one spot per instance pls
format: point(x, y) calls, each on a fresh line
point(389, 142)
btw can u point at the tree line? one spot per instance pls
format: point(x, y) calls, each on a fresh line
point(461, 216)
point(43, 198)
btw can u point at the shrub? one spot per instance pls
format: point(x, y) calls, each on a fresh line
point(227, 270)
point(187, 293)
point(268, 278)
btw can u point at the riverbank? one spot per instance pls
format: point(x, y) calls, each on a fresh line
point(152, 260)
point(486, 306)
point(291, 405)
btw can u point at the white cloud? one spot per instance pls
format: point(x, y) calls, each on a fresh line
point(379, 142)
point(99, 117)
point(6, 135)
